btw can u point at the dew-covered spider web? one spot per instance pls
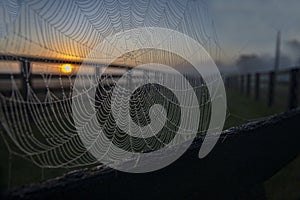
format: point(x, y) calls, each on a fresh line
point(42, 46)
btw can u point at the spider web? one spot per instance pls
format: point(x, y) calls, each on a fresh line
point(39, 126)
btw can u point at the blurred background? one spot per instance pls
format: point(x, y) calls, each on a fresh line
point(255, 44)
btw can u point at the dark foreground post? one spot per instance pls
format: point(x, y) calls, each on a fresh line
point(257, 86)
point(242, 83)
point(271, 88)
point(248, 87)
point(26, 78)
point(294, 89)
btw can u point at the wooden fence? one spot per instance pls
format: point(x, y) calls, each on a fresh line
point(26, 80)
point(275, 88)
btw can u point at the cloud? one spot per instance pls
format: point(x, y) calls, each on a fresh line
point(256, 63)
point(294, 44)
point(294, 49)
point(253, 62)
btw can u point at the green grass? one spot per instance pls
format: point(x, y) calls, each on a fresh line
point(16, 170)
point(243, 109)
point(286, 183)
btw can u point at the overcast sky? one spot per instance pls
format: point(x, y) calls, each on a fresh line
point(250, 26)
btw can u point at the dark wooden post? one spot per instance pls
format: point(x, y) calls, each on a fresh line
point(130, 78)
point(248, 87)
point(227, 82)
point(271, 88)
point(231, 82)
point(294, 87)
point(257, 85)
point(26, 78)
point(242, 86)
point(97, 71)
point(237, 82)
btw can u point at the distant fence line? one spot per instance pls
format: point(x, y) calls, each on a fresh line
point(275, 88)
point(26, 77)
point(279, 88)
point(26, 80)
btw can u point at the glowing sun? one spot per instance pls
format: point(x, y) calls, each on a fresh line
point(66, 69)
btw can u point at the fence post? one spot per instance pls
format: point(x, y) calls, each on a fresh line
point(237, 82)
point(293, 95)
point(248, 87)
point(227, 82)
point(231, 82)
point(271, 88)
point(242, 86)
point(97, 71)
point(26, 78)
point(257, 86)
point(130, 83)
